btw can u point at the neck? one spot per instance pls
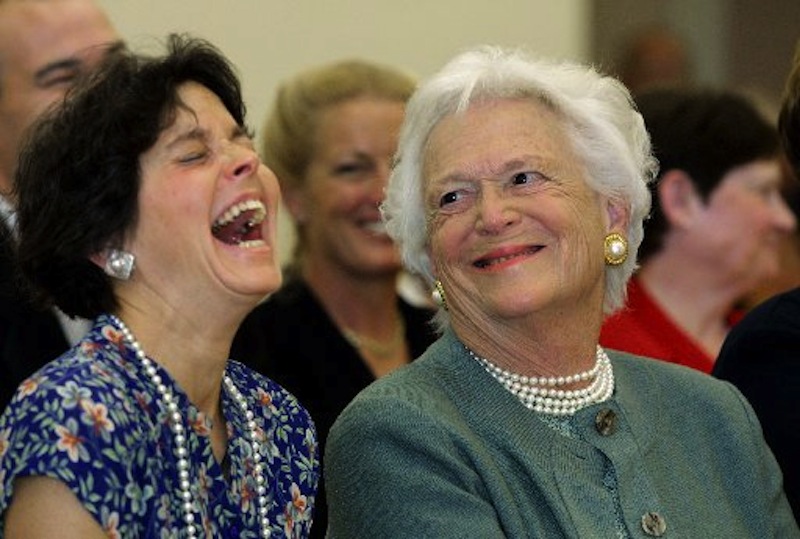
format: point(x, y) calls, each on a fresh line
point(193, 351)
point(541, 344)
point(365, 309)
point(364, 304)
point(698, 303)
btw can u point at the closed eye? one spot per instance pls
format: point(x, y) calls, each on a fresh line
point(192, 157)
point(347, 169)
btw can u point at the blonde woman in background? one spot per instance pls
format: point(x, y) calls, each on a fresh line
point(338, 322)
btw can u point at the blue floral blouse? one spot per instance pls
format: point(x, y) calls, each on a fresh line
point(92, 419)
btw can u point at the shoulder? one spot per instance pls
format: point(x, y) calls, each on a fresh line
point(766, 340)
point(778, 317)
point(677, 392)
point(645, 372)
point(419, 391)
point(782, 307)
point(76, 420)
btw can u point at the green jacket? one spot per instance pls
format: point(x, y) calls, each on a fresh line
point(439, 449)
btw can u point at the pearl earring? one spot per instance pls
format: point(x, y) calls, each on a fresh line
point(119, 264)
point(438, 295)
point(615, 249)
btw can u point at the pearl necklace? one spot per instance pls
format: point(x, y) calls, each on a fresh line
point(542, 394)
point(179, 436)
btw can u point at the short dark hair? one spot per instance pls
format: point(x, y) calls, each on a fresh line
point(78, 178)
point(705, 133)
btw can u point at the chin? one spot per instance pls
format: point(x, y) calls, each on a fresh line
point(256, 283)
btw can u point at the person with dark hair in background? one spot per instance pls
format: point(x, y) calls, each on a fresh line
point(45, 46)
point(519, 192)
point(716, 228)
point(338, 322)
point(761, 355)
point(143, 205)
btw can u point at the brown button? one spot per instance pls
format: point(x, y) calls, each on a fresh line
point(605, 422)
point(653, 524)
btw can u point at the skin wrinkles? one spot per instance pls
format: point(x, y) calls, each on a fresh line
point(515, 186)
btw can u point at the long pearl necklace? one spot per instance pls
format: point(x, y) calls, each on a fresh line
point(179, 437)
point(544, 394)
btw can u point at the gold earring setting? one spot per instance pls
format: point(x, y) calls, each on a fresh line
point(438, 295)
point(615, 249)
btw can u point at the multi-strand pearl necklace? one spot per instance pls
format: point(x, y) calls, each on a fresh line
point(544, 394)
point(179, 437)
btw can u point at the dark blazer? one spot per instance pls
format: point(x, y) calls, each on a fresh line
point(761, 357)
point(29, 337)
point(291, 339)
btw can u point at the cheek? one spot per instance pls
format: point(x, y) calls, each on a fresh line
point(334, 198)
point(447, 238)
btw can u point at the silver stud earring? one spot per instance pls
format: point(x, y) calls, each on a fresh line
point(119, 264)
point(615, 249)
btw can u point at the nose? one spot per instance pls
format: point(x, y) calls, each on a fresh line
point(494, 211)
point(784, 218)
point(242, 161)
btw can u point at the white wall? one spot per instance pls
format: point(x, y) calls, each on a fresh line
point(269, 40)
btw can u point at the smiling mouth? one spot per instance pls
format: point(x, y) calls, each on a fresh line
point(240, 224)
point(490, 261)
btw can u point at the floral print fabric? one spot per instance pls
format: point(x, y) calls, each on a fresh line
point(93, 420)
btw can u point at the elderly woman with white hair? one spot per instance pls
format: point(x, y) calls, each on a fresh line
point(519, 192)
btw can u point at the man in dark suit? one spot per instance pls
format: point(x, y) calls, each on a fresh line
point(44, 47)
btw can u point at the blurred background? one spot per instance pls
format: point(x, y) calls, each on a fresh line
point(741, 44)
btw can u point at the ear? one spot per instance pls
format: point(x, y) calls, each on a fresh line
point(619, 216)
point(678, 197)
point(99, 259)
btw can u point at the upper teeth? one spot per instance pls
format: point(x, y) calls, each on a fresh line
point(234, 211)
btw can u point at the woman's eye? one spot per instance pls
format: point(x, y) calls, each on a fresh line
point(192, 157)
point(448, 198)
point(347, 168)
point(524, 178)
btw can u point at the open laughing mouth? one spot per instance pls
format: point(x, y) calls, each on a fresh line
point(240, 224)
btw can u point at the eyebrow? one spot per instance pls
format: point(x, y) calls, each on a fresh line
point(72, 63)
point(202, 134)
point(196, 133)
point(505, 168)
